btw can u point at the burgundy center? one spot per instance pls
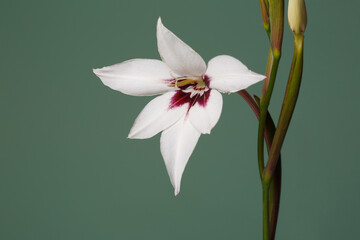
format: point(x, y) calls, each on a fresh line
point(180, 97)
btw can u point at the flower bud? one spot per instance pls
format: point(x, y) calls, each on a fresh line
point(297, 16)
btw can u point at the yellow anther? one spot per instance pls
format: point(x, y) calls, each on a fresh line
point(184, 82)
point(201, 84)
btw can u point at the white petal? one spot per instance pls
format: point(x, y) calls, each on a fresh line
point(205, 118)
point(227, 74)
point(137, 77)
point(176, 144)
point(156, 116)
point(180, 58)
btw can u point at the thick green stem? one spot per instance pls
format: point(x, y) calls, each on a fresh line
point(275, 11)
point(273, 19)
point(272, 66)
point(291, 94)
point(274, 199)
point(275, 185)
point(266, 227)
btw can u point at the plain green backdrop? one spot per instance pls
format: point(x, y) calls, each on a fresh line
point(68, 171)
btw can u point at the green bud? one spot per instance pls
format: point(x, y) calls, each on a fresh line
point(264, 6)
point(297, 16)
point(276, 17)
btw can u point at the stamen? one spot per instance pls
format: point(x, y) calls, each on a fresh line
point(185, 81)
point(182, 81)
point(201, 84)
point(193, 93)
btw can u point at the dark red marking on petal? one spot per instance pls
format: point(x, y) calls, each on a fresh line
point(204, 98)
point(180, 98)
point(206, 80)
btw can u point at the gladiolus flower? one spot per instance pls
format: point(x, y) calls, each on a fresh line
point(190, 104)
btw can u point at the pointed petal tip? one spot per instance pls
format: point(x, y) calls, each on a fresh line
point(178, 56)
point(229, 74)
point(176, 192)
point(262, 77)
point(99, 71)
point(133, 136)
point(96, 71)
point(130, 135)
point(159, 23)
point(259, 77)
point(256, 77)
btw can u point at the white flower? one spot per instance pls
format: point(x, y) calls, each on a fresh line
point(190, 104)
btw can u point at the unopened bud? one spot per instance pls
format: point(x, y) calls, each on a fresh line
point(297, 16)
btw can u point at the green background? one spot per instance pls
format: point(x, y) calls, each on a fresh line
point(67, 170)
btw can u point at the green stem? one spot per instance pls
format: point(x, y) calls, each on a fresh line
point(274, 199)
point(272, 66)
point(275, 185)
point(266, 229)
point(273, 18)
point(291, 94)
point(273, 15)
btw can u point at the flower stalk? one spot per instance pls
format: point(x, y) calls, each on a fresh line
point(272, 14)
point(275, 184)
point(276, 18)
point(271, 189)
point(272, 207)
point(290, 98)
point(268, 86)
point(297, 18)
